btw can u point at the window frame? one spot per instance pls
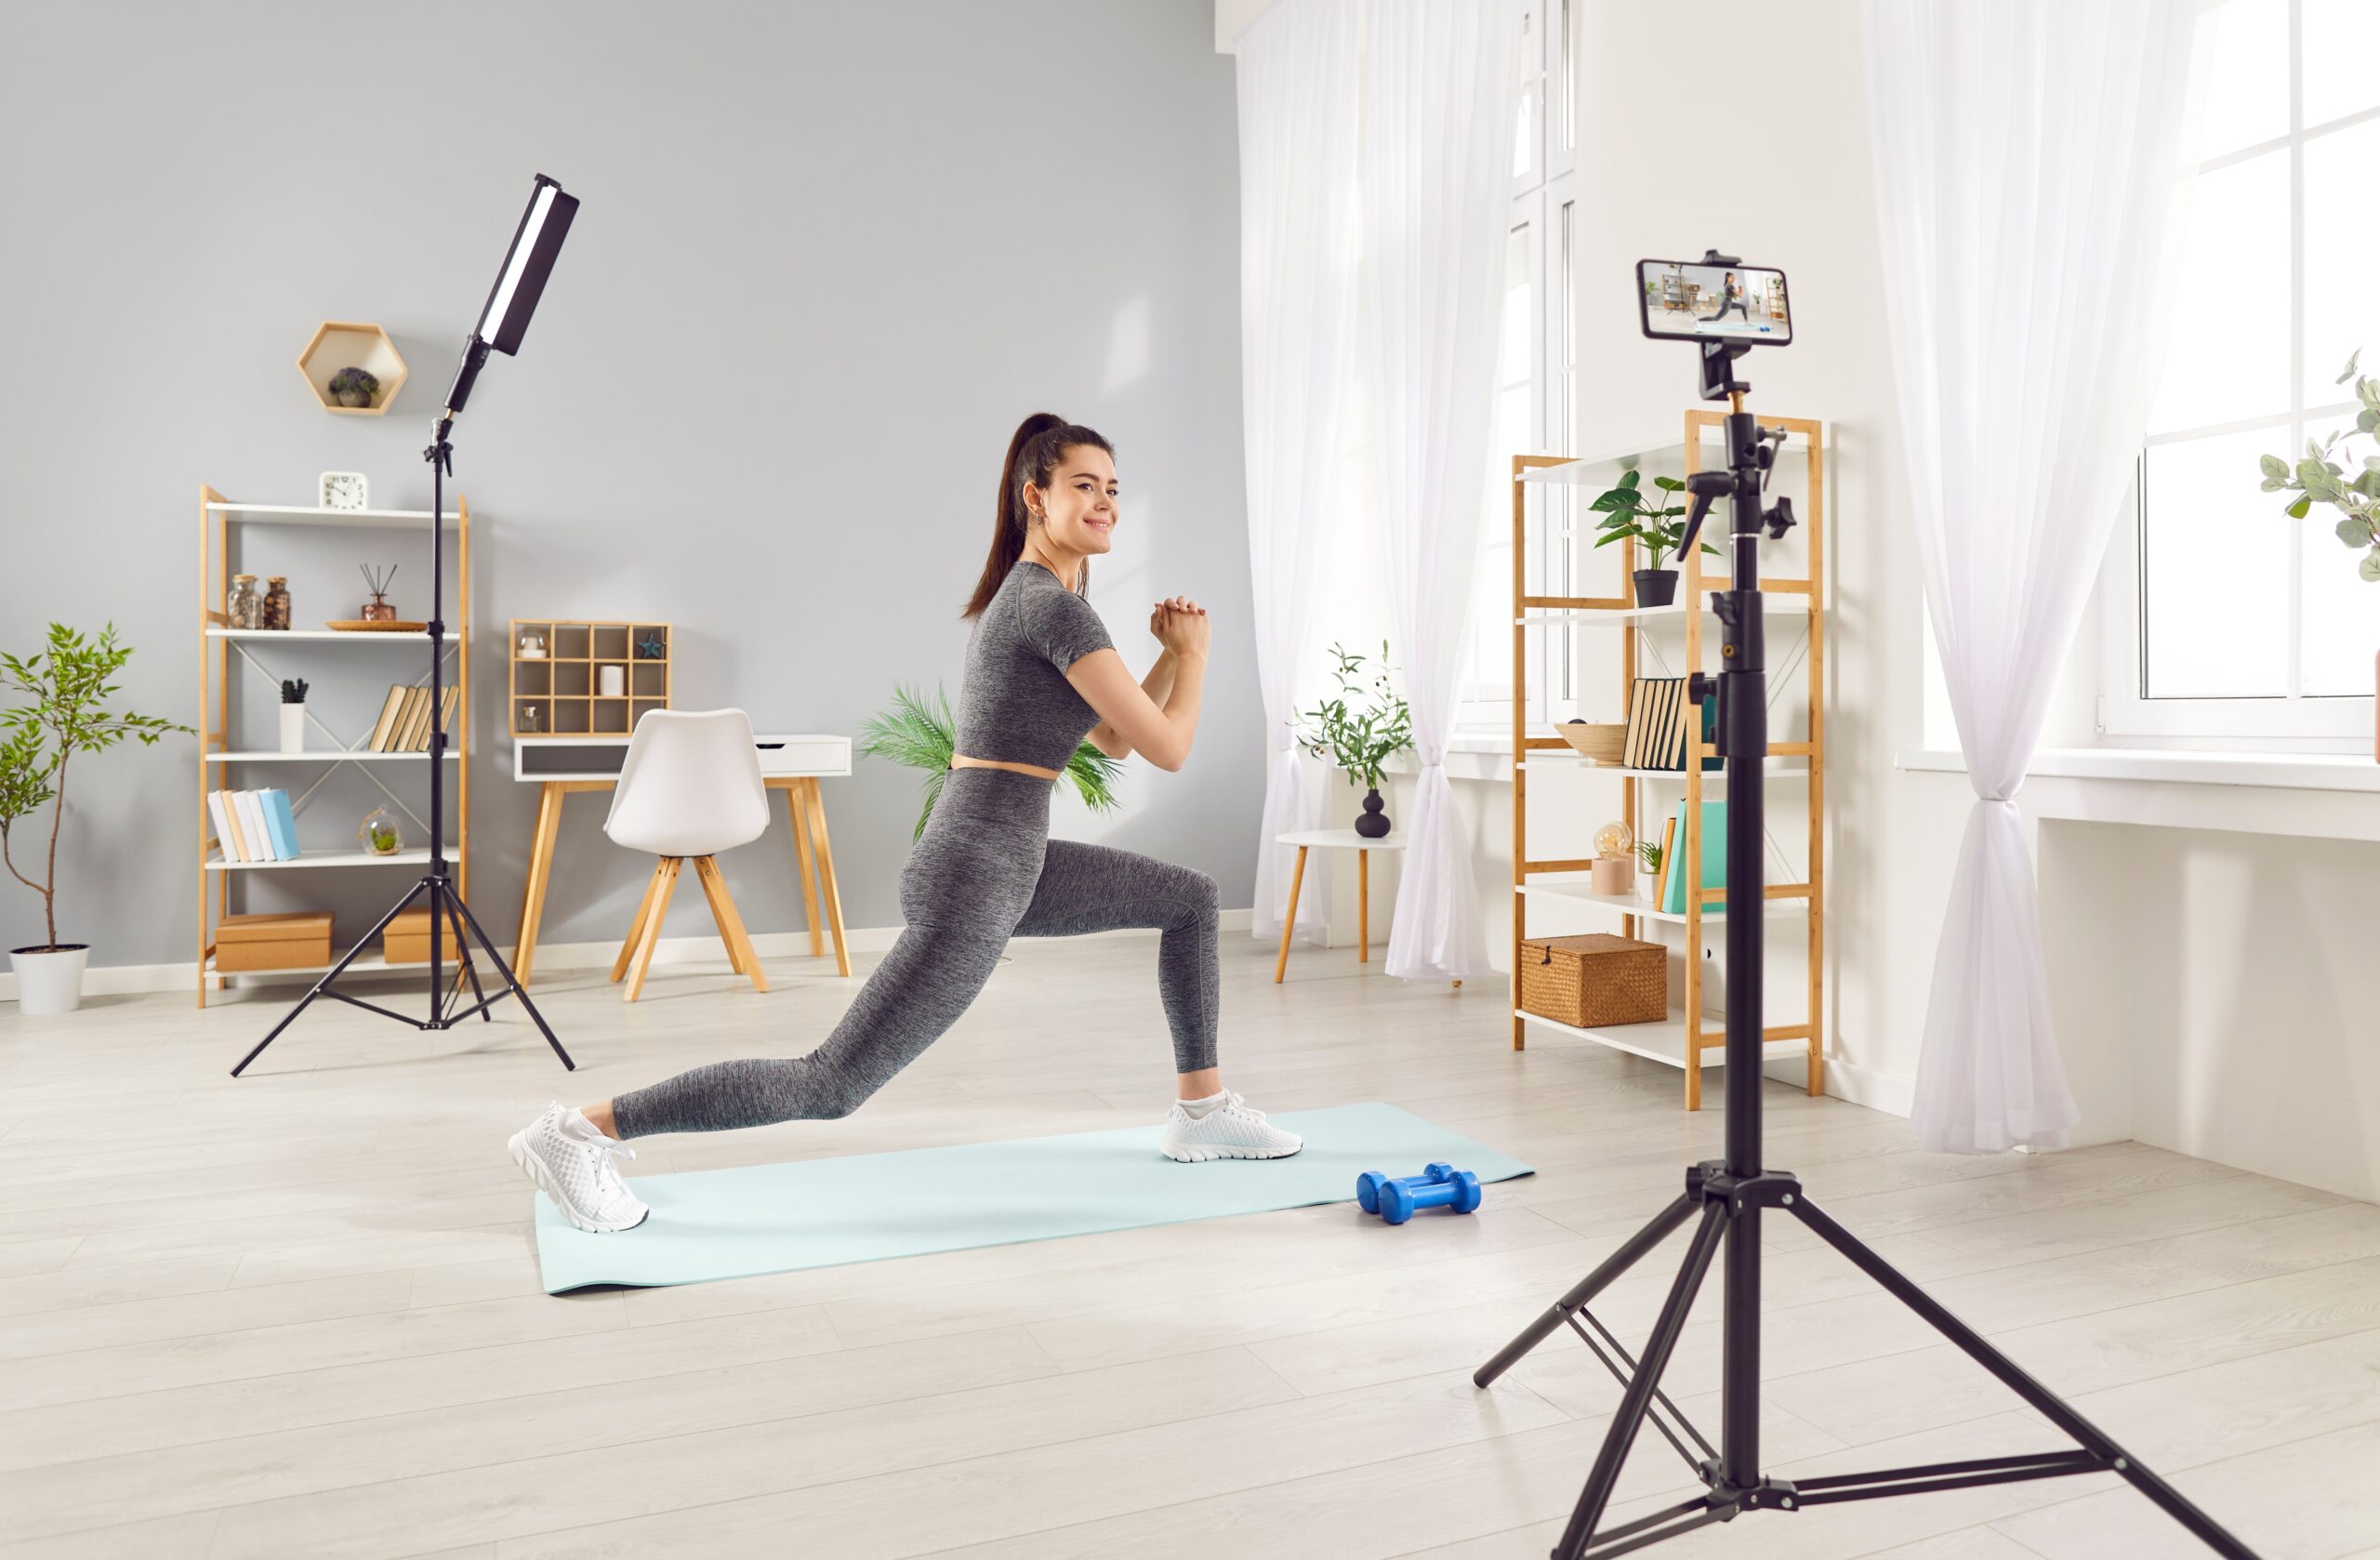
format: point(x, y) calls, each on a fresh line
point(1545, 202)
point(2124, 709)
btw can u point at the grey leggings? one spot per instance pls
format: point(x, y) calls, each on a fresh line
point(985, 870)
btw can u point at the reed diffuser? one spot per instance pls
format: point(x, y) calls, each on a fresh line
point(377, 609)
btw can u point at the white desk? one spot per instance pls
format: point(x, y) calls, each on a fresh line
point(559, 765)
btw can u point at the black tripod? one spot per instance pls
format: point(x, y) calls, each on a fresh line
point(1725, 1197)
point(436, 889)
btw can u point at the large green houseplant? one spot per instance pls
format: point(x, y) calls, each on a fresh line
point(911, 733)
point(69, 685)
point(1359, 741)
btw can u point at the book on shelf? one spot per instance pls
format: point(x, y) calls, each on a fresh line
point(385, 727)
point(1714, 858)
point(1660, 719)
point(282, 820)
point(445, 716)
point(224, 845)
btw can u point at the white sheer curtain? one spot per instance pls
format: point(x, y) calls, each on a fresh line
point(1440, 89)
point(2029, 162)
point(1297, 67)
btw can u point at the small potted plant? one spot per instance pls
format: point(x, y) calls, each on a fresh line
point(1648, 883)
point(914, 735)
point(1660, 525)
point(293, 714)
point(2319, 478)
point(1358, 741)
point(68, 683)
point(355, 387)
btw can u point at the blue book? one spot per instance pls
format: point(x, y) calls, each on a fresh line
point(1714, 859)
point(282, 822)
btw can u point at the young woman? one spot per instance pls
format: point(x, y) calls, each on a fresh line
point(1041, 674)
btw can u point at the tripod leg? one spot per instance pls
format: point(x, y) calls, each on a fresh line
point(329, 975)
point(510, 984)
point(2050, 1404)
point(463, 958)
point(1638, 1398)
point(1620, 1261)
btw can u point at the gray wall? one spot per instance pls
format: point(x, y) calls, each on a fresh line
point(830, 255)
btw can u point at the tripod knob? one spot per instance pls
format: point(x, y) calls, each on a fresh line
point(1698, 687)
point(1780, 517)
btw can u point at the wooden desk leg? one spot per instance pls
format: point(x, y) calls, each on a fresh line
point(533, 893)
point(827, 874)
point(1290, 921)
point(794, 812)
point(1363, 907)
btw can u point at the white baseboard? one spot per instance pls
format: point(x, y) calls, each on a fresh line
point(109, 980)
point(1889, 1092)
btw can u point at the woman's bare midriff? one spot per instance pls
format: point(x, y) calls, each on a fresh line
point(960, 761)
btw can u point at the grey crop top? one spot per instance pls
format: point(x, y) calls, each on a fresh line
point(1016, 704)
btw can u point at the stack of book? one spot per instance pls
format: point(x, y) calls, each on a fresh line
point(403, 726)
point(254, 826)
point(1660, 719)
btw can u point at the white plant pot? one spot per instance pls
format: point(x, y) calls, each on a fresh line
point(48, 981)
point(292, 728)
point(1648, 884)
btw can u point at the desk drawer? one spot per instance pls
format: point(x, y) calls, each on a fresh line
point(804, 755)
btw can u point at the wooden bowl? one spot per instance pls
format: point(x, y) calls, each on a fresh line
point(1596, 744)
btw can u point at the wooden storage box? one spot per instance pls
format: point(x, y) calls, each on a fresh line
point(406, 939)
point(1595, 980)
point(289, 940)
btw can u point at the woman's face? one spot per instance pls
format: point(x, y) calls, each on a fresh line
point(1080, 502)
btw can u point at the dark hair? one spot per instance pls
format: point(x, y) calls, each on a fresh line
point(1040, 442)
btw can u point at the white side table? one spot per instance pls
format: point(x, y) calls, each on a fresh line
point(1340, 839)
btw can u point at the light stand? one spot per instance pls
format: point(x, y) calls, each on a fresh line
point(1727, 1197)
point(502, 321)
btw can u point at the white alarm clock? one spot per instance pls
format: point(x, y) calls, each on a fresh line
point(344, 490)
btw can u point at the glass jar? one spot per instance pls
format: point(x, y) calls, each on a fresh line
point(531, 721)
point(243, 608)
point(379, 833)
point(276, 603)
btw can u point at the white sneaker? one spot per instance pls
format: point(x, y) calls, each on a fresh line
point(578, 1172)
point(1231, 1131)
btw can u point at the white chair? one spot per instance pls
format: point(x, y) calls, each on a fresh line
point(689, 787)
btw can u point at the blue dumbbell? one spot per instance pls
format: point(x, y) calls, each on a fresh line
point(1440, 1186)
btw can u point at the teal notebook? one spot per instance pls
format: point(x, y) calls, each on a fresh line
point(1714, 859)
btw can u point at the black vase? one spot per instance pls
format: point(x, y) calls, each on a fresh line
point(1656, 588)
point(1372, 823)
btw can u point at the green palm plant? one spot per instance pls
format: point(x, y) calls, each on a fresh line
point(911, 733)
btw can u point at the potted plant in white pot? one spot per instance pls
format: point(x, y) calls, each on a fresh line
point(1658, 523)
point(69, 685)
point(1358, 741)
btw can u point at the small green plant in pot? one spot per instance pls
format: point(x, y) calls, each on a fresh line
point(912, 732)
point(68, 683)
point(2316, 478)
point(1659, 523)
point(1360, 741)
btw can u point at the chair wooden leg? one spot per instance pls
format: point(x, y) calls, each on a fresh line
point(706, 873)
point(636, 927)
point(741, 956)
point(662, 886)
point(1290, 921)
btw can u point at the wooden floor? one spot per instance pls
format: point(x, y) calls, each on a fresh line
point(298, 1313)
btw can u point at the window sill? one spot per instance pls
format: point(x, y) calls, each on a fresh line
point(2319, 795)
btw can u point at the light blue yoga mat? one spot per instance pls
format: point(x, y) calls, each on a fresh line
point(731, 1223)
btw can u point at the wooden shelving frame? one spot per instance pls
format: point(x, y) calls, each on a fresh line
point(1681, 1038)
point(217, 641)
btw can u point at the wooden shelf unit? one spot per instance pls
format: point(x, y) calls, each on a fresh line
point(1681, 1039)
point(561, 683)
point(217, 642)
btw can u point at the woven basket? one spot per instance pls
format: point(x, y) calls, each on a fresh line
point(1596, 744)
point(1595, 980)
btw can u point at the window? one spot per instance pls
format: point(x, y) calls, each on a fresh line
point(2229, 620)
point(1535, 383)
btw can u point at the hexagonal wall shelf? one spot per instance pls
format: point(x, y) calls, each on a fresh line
point(344, 344)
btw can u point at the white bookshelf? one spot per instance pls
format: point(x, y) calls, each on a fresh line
point(218, 645)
